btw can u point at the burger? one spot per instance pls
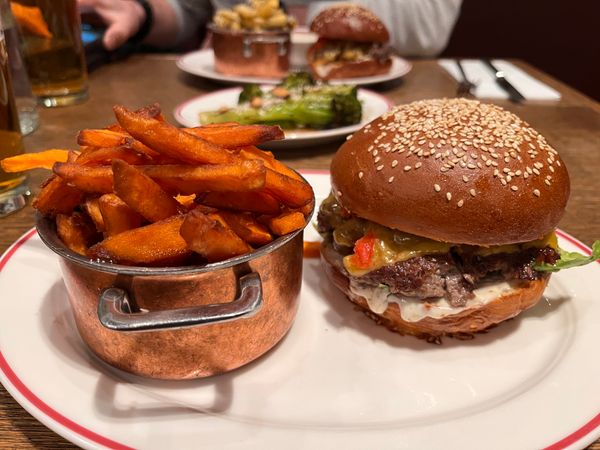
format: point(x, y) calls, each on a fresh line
point(352, 43)
point(441, 218)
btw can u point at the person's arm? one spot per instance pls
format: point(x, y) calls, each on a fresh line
point(417, 27)
point(174, 21)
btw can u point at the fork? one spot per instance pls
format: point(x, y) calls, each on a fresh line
point(464, 86)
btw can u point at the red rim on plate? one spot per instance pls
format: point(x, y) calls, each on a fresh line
point(37, 406)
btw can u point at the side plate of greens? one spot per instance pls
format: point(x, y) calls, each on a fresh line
point(309, 114)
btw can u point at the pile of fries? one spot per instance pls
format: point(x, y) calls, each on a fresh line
point(143, 192)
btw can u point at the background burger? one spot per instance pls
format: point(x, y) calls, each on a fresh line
point(442, 216)
point(352, 43)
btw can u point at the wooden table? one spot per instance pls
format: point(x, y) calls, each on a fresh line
point(571, 125)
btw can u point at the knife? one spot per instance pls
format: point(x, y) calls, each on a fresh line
point(513, 94)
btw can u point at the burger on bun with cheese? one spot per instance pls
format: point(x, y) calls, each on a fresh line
point(352, 43)
point(441, 218)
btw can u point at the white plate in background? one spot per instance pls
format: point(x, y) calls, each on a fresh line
point(201, 63)
point(373, 106)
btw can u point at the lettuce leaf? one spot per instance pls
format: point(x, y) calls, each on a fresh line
point(570, 259)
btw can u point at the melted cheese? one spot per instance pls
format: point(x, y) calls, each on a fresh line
point(413, 310)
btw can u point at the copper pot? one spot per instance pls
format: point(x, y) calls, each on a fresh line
point(182, 322)
point(251, 53)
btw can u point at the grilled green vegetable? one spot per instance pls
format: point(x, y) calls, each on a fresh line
point(306, 107)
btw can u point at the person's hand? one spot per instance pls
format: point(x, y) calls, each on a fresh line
point(123, 19)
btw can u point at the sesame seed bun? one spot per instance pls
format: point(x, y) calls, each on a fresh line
point(453, 170)
point(461, 324)
point(348, 22)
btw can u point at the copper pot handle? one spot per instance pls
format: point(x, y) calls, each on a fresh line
point(281, 42)
point(115, 312)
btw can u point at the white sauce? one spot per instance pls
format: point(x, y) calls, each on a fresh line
point(412, 310)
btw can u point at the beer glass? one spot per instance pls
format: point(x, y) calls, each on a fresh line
point(24, 99)
point(53, 51)
point(13, 186)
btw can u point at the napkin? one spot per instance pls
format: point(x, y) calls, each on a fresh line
point(480, 74)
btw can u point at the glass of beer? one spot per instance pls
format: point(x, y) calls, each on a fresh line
point(53, 51)
point(13, 186)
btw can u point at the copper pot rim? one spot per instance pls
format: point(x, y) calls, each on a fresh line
point(218, 30)
point(46, 229)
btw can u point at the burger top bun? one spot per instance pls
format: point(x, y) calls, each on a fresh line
point(348, 22)
point(453, 170)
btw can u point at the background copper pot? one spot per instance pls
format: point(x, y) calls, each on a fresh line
point(248, 53)
point(206, 333)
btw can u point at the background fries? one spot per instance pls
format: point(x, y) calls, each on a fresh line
point(142, 192)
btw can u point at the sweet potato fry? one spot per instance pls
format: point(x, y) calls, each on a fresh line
point(239, 136)
point(106, 155)
point(290, 192)
point(110, 138)
point(186, 201)
point(30, 18)
point(184, 179)
point(117, 216)
point(76, 231)
point(311, 249)
point(95, 180)
point(27, 161)
point(252, 201)
point(171, 141)
point(210, 238)
point(141, 193)
point(252, 152)
point(246, 227)
point(157, 244)
point(92, 208)
point(286, 222)
point(57, 197)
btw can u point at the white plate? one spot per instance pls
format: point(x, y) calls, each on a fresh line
point(201, 63)
point(373, 106)
point(336, 381)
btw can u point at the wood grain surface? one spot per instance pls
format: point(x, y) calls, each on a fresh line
point(572, 126)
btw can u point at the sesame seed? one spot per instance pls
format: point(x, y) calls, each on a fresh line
point(547, 182)
point(380, 167)
point(360, 174)
point(472, 192)
point(503, 181)
point(390, 179)
point(536, 192)
point(437, 187)
point(514, 188)
point(537, 172)
point(394, 163)
point(407, 168)
point(460, 203)
point(417, 165)
point(448, 196)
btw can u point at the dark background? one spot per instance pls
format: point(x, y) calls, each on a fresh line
point(560, 37)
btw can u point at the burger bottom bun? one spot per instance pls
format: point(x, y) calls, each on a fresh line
point(460, 325)
point(350, 69)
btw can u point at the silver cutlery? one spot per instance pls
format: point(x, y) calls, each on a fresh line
point(513, 94)
point(465, 86)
